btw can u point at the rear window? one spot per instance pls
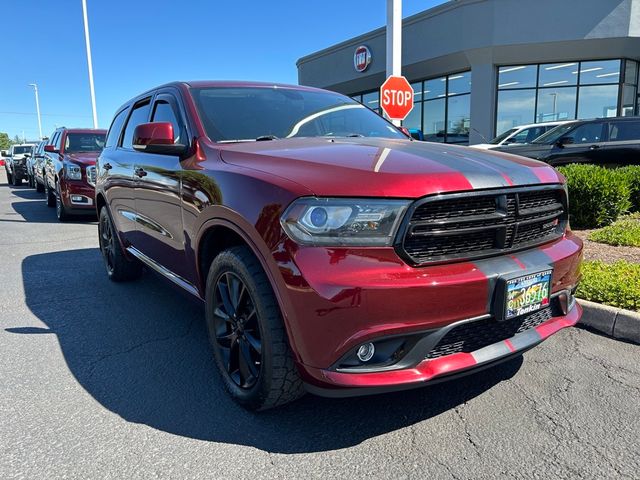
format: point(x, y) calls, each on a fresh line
point(624, 131)
point(84, 142)
point(22, 150)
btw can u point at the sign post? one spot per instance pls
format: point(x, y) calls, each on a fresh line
point(396, 98)
point(394, 41)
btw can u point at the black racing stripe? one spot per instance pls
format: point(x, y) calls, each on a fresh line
point(535, 258)
point(518, 173)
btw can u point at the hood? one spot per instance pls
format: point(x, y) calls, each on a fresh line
point(483, 146)
point(83, 158)
point(384, 167)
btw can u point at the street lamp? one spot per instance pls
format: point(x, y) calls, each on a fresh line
point(89, 64)
point(555, 100)
point(35, 90)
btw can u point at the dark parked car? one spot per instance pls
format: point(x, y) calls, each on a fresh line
point(608, 142)
point(334, 254)
point(70, 172)
point(35, 166)
point(16, 164)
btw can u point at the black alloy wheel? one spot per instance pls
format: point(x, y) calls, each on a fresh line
point(50, 196)
point(237, 330)
point(60, 210)
point(107, 242)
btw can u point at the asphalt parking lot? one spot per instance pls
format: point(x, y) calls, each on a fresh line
point(104, 380)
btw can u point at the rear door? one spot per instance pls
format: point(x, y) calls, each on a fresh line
point(160, 232)
point(587, 142)
point(623, 145)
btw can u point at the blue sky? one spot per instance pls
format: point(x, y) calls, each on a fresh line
point(138, 44)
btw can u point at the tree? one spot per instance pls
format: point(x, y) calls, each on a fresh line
point(5, 141)
point(17, 139)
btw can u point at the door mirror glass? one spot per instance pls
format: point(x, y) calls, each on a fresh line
point(157, 137)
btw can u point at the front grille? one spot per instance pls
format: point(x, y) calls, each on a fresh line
point(472, 336)
point(480, 224)
point(91, 175)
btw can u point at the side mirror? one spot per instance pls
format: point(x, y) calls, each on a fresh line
point(4, 153)
point(157, 137)
point(50, 149)
point(562, 141)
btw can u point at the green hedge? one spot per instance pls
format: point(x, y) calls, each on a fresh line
point(632, 177)
point(616, 284)
point(623, 232)
point(597, 195)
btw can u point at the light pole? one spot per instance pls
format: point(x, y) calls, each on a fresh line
point(35, 90)
point(89, 63)
point(394, 40)
point(555, 100)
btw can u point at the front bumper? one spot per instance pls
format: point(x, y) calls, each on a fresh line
point(338, 299)
point(78, 197)
point(19, 170)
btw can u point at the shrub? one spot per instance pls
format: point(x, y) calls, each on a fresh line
point(632, 176)
point(616, 284)
point(622, 232)
point(597, 195)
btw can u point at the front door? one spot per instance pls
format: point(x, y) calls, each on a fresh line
point(585, 145)
point(160, 232)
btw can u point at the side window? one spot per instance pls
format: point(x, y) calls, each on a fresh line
point(58, 141)
point(624, 131)
point(164, 111)
point(520, 137)
point(140, 114)
point(53, 138)
point(587, 133)
point(116, 127)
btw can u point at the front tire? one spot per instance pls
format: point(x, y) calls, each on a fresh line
point(39, 186)
point(246, 332)
point(17, 181)
point(61, 212)
point(51, 197)
point(119, 268)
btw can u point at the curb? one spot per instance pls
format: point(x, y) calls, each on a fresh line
point(614, 322)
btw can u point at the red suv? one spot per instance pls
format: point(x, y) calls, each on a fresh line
point(334, 254)
point(69, 172)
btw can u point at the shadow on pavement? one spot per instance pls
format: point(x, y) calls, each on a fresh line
point(141, 350)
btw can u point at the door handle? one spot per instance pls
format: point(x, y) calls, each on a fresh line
point(107, 166)
point(594, 147)
point(140, 172)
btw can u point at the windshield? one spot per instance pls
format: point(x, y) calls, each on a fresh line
point(554, 134)
point(502, 136)
point(234, 114)
point(22, 150)
point(84, 142)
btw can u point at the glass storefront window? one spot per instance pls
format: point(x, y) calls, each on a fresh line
point(558, 74)
point(458, 119)
point(556, 104)
point(628, 100)
point(602, 71)
point(414, 119)
point(436, 88)
point(357, 98)
point(459, 83)
point(519, 76)
point(515, 108)
point(598, 101)
point(631, 72)
point(433, 120)
point(372, 100)
point(417, 91)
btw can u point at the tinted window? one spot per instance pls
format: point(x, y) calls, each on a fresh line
point(84, 142)
point(515, 107)
point(502, 136)
point(527, 135)
point(139, 115)
point(624, 131)
point(587, 133)
point(116, 127)
point(555, 74)
point(554, 134)
point(236, 114)
point(518, 76)
point(54, 138)
point(58, 141)
point(21, 150)
point(164, 112)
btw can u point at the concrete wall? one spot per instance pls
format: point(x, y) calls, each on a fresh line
point(480, 34)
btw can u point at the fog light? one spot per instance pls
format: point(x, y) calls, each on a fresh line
point(366, 351)
point(76, 198)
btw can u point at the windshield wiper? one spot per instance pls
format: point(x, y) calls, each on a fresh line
point(264, 138)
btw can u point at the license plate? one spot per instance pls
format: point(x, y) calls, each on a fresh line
point(525, 294)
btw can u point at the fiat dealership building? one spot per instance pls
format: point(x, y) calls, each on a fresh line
point(480, 67)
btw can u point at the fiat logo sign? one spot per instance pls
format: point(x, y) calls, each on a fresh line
point(362, 58)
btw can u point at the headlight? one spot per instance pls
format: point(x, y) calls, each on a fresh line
point(73, 171)
point(343, 221)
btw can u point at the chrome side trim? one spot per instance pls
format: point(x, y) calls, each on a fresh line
point(177, 279)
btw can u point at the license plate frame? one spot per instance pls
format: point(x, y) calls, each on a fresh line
point(522, 293)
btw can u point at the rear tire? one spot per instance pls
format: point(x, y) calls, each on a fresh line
point(246, 332)
point(39, 187)
point(9, 178)
point(119, 268)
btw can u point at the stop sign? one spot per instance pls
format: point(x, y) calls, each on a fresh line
point(396, 97)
